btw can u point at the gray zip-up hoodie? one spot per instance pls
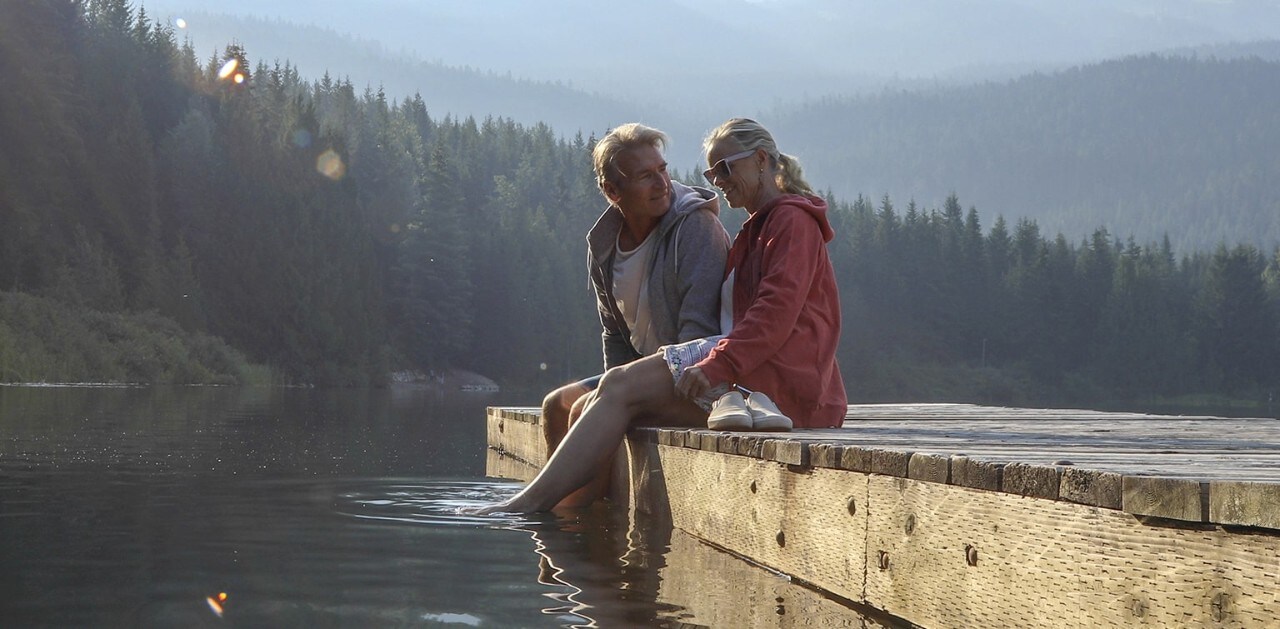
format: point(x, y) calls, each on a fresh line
point(684, 279)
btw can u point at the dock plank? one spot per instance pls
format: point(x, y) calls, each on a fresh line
point(960, 515)
point(757, 508)
point(1244, 503)
point(705, 581)
point(966, 558)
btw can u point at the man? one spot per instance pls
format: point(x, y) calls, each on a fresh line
point(656, 258)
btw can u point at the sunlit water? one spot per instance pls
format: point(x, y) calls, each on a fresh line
point(188, 507)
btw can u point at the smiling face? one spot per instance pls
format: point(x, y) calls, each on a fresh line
point(641, 186)
point(741, 184)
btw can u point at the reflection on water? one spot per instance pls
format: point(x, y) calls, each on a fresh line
point(433, 503)
point(267, 507)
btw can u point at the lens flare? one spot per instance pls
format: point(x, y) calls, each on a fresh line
point(229, 68)
point(215, 603)
point(330, 165)
point(180, 23)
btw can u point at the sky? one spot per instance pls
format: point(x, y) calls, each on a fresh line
point(626, 47)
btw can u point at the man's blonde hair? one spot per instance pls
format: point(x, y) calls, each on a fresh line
point(627, 136)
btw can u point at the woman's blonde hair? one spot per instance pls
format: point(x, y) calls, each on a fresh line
point(627, 136)
point(750, 135)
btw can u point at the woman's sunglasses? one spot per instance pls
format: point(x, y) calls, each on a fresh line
point(721, 168)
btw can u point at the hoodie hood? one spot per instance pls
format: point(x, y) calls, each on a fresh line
point(685, 273)
point(814, 206)
point(684, 201)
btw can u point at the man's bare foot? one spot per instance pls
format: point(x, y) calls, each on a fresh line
point(491, 509)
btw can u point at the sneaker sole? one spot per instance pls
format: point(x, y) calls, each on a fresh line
point(732, 422)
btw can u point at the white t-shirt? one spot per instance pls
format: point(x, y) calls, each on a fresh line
point(726, 305)
point(631, 290)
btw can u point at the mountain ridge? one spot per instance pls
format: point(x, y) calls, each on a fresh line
point(571, 108)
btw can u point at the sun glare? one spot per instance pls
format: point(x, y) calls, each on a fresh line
point(215, 603)
point(330, 165)
point(229, 68)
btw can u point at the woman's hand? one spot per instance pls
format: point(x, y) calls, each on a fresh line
point(693, 383)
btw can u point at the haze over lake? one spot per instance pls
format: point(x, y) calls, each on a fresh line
point(803, 65)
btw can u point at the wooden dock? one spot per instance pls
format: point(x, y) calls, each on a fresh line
point(953, 515)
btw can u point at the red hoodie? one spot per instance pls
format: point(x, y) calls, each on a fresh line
point(786, 313)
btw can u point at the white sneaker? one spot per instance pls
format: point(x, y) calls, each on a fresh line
point(765, 416)
point(729, 412)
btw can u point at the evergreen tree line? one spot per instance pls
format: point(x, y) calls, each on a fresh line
point(1026, 318)
point(336, 235)
point(327, 232)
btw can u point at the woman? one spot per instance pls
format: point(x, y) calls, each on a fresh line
point(785, 325)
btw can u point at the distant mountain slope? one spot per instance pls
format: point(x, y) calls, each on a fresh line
point(1143, 146)
point(456, 91)
point(717, 55)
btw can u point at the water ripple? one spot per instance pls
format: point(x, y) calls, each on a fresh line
point(433, 503)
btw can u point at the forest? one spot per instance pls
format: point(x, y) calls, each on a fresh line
point(334, 235)
point(1147, 146)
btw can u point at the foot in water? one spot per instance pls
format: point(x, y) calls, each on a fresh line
point(490, 509)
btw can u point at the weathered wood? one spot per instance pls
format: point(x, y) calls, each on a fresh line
point(1173, 498)
point(1089, 450)
point(1036, 481)
point(518, 432)
point(751, 446)
point(986, 517)
point(959, 557)
point(797, 523)
point(1091, 487)
point(648, 492)
point(499, 465)
point(791, 452)
point(716, 589)
point(856, 459)
point(667, 437)
point(945, 411)
point(890, 462)
point(934, 468)
point(1248, 504)
point(967, 472)
point(825, 455)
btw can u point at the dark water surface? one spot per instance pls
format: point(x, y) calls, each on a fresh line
point(128, 507)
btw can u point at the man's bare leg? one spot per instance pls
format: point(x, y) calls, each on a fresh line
point(640, 389)
point(599, 483)
point(557, 413)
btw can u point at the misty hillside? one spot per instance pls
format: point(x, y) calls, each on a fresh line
point(875, 99)
point(1144, 146)
point(447, 90)
point(714, 55)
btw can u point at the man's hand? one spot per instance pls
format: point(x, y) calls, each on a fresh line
point(693, 383)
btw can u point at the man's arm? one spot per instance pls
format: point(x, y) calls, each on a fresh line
point(703, 247)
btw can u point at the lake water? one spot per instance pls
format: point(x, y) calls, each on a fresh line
point(258, 507)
